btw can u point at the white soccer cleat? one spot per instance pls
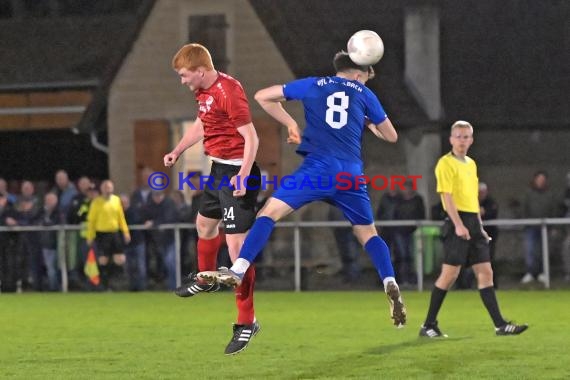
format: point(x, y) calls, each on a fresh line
point(222, 276)
point(397, 308)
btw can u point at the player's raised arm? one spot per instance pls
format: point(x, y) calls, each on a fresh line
point(192, 135)
point(385, 130)
point(270, 100)
point(251, 144)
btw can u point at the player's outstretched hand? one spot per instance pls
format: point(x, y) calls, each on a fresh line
point(170, 159)
point(294, 135)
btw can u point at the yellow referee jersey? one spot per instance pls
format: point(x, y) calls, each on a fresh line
point(459, 178)
point(106, 215)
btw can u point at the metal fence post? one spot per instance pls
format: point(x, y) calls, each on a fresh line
point(420, 260)
point(177, 260)
point(297, 247)
point(545, 254)
point(62, 257)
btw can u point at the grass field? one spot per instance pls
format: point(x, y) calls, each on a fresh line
point(312, 335)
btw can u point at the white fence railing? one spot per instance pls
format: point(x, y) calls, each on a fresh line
point(297, 249)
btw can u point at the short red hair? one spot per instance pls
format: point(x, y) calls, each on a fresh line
point(191, 57)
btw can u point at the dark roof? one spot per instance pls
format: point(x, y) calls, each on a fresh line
point(68, 51)
point(52, 50)
point(502, 62)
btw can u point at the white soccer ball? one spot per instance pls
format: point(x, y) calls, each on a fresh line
point(365, 47)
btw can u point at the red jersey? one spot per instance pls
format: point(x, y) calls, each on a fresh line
point(223, 108)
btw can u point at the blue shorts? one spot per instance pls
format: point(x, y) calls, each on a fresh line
point(328, 179)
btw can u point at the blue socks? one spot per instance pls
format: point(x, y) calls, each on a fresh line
point(380, 255)
point(256, 238)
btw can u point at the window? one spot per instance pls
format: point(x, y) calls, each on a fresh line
point(210, 31)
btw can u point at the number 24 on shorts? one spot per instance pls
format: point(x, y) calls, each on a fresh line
point(229, 213)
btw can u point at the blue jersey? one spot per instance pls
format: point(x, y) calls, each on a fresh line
point(335, 112)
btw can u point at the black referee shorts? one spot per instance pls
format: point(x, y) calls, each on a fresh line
point(108, 243)
point(463, 252)
point(218, 201)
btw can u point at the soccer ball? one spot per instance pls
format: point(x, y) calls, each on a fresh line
point(365, 47)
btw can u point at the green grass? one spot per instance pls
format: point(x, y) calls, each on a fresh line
point(328, 335)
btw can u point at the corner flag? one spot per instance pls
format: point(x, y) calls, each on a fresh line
point(91, 269)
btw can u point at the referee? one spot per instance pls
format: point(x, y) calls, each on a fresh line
point(107, 228)
point(465, 241)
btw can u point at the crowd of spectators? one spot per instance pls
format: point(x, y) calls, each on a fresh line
point(32, 260)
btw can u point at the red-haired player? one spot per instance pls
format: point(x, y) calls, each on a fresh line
point(231, 142)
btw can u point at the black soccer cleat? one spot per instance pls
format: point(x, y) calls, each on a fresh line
point(190, 287)
point(432, 331)
point(241, 338)
point(511, 329)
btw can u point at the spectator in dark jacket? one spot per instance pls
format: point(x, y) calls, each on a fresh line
point(140, 198)
point(386, 211)
point(77, 214)
point(539, 202)
point(187, 241)
point(49, 216)
point(4, 192)
point(565, 213)
point(8, 246)
point(162, 210)
point(410, 207)
point(30, 258)
point(135, 250)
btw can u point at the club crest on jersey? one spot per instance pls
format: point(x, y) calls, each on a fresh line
point(205, 106)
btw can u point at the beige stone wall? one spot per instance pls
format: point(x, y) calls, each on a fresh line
point(147, 88)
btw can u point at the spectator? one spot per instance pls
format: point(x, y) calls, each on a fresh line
point(140, 198)
point(410, 207)
point(77, 215)
point(348, 247)
point(134, 250)
point(437, 212)
point(105, 224)
point(8, 246)
point(538, 203)
point(10, 198)
point(162, 210)
point(29, 258)
point(184, 215)
point(183, 208)
point(48, 239)
point(566, 243)
point(28, 193)
point(65, 191)
point(386, 211)
point(196, 195)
